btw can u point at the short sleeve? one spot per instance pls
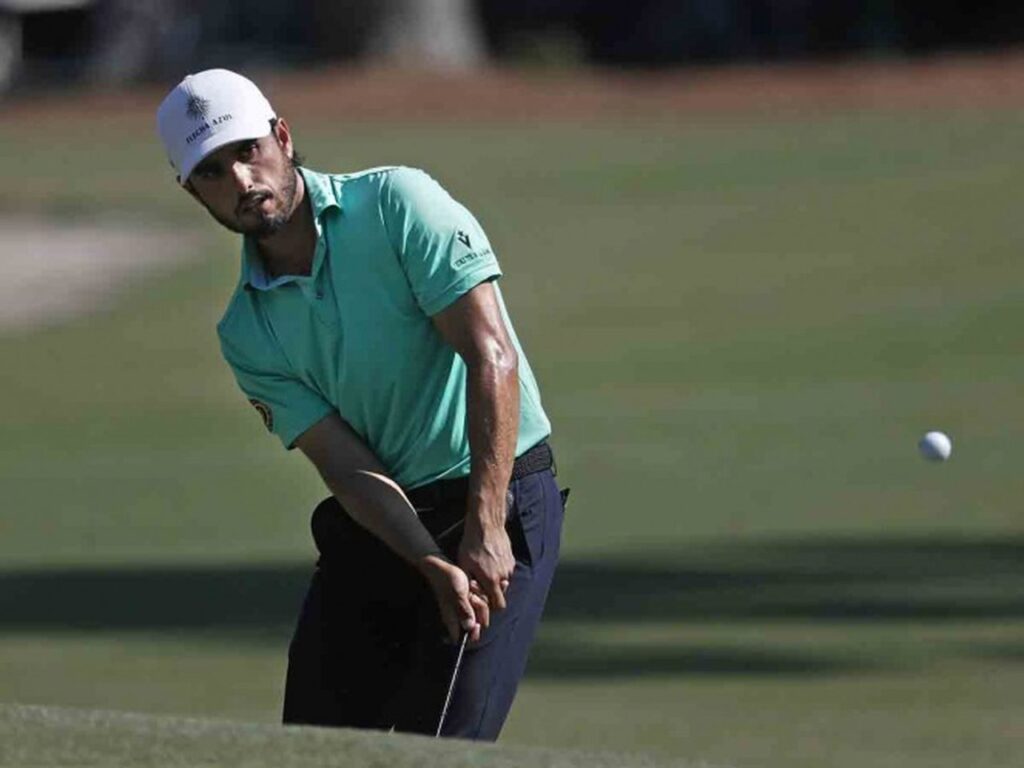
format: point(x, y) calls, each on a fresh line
point(287, 406)
point(440, 244)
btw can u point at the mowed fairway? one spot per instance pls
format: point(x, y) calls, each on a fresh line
point(740, 328)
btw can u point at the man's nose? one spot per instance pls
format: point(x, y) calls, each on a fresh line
point(242, 176)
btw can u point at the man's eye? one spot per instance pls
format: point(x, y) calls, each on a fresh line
point(248, 150)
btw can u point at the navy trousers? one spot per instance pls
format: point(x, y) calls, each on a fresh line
point(370, 650)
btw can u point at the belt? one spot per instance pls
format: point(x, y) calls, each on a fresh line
point(441, 506)
point(536, 459)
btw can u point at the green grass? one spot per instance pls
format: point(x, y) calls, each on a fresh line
point(48, 736)
point(740, 331)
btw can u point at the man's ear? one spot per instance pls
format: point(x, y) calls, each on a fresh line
point(283, 136)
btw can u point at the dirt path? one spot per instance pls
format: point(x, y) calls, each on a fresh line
point(53, 273)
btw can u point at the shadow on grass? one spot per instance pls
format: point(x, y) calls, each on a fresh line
point(855, 580)
point(814, 580)
point(252, 599)
point(1001, 652)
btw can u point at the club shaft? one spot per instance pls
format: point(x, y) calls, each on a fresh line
point(451, 684)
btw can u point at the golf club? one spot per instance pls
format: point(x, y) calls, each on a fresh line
point(451, 684)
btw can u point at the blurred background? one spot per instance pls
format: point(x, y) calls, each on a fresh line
point(119, 41)
point(754, 249)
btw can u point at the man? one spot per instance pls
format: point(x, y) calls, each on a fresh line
point(368, 331)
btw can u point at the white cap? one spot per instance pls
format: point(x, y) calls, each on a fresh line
point(207, 110)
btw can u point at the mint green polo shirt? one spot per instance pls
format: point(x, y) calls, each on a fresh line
point(355, 336)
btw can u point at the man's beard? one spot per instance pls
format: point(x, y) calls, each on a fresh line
point(268, 224)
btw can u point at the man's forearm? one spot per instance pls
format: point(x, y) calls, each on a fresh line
point(493, 414)
point(378, 504)
point(356, 477)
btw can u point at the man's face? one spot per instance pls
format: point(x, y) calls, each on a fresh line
point(249, 186)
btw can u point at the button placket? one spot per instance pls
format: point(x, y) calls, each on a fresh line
point(319, 293)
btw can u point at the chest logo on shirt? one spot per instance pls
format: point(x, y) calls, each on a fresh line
point(463, 238)
point(265, 413)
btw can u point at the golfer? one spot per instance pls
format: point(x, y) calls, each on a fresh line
point(368, 331)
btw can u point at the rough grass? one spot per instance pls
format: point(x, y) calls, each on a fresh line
point(52, 736)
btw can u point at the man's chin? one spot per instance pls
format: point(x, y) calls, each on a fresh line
point(265, 226)
point(258, 226)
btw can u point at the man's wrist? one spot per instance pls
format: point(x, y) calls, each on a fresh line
point(433, 564)
point(487, 510)
point(485, 519)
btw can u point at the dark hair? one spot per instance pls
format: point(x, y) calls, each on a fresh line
point(297, 159)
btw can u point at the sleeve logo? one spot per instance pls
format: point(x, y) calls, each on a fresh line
point(468, 258)
point(265, 413)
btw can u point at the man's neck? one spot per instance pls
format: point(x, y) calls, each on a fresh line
point(289, 251)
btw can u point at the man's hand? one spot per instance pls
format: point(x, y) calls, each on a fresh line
point(359, 481)
point(474, 326)
point(462, 610)
point(486, 555)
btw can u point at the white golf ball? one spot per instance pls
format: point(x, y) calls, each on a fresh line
point(935, 446)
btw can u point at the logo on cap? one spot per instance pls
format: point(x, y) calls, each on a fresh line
point(197, 107)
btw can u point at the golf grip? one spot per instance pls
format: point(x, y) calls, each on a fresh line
point(451, 684)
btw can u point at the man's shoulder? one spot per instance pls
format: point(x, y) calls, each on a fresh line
point(401, 180)
point(377, 175)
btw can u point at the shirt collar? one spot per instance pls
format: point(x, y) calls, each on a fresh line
point(321, 196)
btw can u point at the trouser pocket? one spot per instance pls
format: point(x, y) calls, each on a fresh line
point(528, 517)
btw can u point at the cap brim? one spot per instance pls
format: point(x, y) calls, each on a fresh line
point(229, 135)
